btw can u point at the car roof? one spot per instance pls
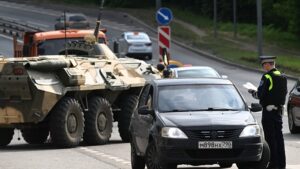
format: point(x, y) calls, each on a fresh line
point(172, 82)
point(193, 67)
point(135, 32)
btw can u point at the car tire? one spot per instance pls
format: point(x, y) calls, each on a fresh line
point(6, 135)
point(36, 135)
point(225, 165)
point(292, 126)
point(262, 164)
point(98, 121)
point(153, 161)
point(66, 123)
point(127, 104)
point(137, 162)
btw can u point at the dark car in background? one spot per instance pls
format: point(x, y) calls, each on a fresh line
point(73, 21)
point(196, 122)
point(293, 109)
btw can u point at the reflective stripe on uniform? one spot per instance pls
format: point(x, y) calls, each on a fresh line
point(277, 73)
point(271, 81)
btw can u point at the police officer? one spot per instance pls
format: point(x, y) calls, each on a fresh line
point(271, 94)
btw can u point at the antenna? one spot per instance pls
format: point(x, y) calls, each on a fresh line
point(98, 22)
point(65, 27)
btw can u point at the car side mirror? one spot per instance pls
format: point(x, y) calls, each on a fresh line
point(145, 111)
point(255, 107)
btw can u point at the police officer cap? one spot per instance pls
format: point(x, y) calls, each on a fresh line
point(266, 59)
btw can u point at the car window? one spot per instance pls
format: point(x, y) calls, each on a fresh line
point(137, 37)
point(199, 97)
point(195, 73)
point(54, 46)
point(77, 18)
point(144, 96)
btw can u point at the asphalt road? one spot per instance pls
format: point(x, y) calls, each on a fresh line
point(19, 155)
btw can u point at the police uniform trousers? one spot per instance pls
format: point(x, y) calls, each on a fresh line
point(272, 126)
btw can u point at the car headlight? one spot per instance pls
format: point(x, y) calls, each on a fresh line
point(251, 131)
point(172, 132)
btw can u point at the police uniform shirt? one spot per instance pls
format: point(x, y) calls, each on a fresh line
point(272, 89)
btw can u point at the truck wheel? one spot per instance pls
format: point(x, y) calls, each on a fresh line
point(98, 121)
point(36, 135)
point(66, 123)
point(127, 105)
point(6, 135)
point(262, 164)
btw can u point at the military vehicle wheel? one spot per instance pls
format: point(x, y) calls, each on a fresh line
point(6, 135)
point(98, 121)
point(36, 135)
point(66, 123)
point(127, 105)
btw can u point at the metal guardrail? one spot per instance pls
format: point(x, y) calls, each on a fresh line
point(15, 28)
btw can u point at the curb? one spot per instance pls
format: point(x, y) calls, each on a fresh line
point(200, 52)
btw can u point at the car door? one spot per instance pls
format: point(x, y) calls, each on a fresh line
point(141, 124)
point(294, 102)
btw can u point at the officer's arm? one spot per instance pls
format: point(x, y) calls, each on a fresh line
point(263, 88)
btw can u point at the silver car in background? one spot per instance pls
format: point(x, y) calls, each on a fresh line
point(135, 44)
point(196, 72)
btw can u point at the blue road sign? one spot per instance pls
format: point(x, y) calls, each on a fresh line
point(164, 16)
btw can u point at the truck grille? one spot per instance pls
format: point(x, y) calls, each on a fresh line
point(213, 134)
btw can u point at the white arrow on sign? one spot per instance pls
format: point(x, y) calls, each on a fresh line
point(164, 16)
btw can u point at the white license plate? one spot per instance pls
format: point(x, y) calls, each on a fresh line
point(215, 144)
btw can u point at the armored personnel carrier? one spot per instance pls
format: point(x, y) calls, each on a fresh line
point(73, 96)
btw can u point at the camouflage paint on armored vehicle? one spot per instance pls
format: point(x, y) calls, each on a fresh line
point(71, 97)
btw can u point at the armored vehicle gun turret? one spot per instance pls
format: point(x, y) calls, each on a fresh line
point(72, 97)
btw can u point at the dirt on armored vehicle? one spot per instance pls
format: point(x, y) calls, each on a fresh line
point(71, 97)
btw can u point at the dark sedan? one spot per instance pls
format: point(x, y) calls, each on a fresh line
point(197, 122)
point(294, 109)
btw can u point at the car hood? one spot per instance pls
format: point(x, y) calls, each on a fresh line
point(207, 118)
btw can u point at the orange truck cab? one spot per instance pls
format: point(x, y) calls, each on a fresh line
point(51, 42)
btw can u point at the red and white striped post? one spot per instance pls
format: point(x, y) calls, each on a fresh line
point(164, 41)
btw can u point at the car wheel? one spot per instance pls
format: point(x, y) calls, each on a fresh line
point(149, 57)
point(225, 165)
point(98, 121)
point(137, 162)
point(153, 160)
point(262, 164)
point(292, 126)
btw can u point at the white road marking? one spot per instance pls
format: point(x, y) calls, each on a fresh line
point(116, 159)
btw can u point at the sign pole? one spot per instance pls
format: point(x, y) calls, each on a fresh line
point(259, 28)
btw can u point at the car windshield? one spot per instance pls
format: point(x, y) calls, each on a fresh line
point(77, 18)
point(196, 73)
point(137, 37)
point(54, 46)
point(184, 98)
